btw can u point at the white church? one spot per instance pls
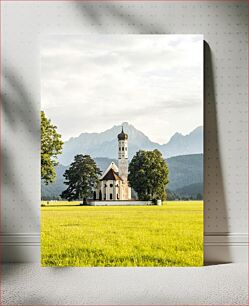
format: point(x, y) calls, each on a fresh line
point(113, 185)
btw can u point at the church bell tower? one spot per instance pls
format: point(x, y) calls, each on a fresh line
point(123, 155)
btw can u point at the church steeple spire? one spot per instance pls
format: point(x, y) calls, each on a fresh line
point(123, 154)
point(122, 135)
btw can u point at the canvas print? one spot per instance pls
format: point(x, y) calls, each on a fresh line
point(122, 150)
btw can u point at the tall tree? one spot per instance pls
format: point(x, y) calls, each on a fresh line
point(148, 175)
point(82, 178)
point(51, 147)
point(199, 196)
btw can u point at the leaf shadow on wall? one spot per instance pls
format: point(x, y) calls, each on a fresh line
point(20, 121)
point(95, 14)
point(215, 210)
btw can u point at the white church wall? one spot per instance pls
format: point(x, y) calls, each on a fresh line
point(120, 203)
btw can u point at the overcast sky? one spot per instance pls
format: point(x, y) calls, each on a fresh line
point(91, 82)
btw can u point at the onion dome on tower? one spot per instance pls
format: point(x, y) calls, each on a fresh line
point(122, 135)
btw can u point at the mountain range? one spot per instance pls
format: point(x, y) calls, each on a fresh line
point(104, 144)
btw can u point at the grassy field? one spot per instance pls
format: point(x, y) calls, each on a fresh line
point(168, 235)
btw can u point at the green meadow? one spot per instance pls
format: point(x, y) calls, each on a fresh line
point(121, 236)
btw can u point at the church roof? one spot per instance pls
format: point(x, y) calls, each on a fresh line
point(111, 166)
point(111, 175)
point(122, 135)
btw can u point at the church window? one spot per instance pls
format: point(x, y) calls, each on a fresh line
point(126, 149)
point(119, 149)
point(117, 196)
point(122, 148)
point(111, 185)
point(110, 196)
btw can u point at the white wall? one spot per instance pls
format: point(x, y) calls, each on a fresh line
point(224, 25)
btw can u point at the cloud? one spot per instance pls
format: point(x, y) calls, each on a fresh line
point(92, 82)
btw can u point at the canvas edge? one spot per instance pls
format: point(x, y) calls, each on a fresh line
point(218, 247)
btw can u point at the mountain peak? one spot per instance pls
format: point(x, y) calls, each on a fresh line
point(197, 130)
point(126, 126)
point(176, 135)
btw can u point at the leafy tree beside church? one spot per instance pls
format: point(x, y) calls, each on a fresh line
point(148, 175)
point(51, 147)
point(82, 178)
